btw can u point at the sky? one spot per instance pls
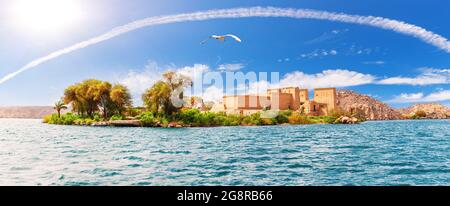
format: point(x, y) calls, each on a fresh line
point(395, 68)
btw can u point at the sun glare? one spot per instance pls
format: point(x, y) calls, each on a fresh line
point(46, 15)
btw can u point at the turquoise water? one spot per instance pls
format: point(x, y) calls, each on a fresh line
point(372, 153)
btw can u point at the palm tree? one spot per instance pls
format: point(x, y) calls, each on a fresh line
point(59, 106)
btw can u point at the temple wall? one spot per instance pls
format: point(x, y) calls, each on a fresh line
point(290, 98)
point(280, 101)
point(303, 95)
point(245, 102)
point(326, 97)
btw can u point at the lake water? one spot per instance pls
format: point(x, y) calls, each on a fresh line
point(372, 153)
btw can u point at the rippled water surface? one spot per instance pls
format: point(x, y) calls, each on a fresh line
point(372, 153)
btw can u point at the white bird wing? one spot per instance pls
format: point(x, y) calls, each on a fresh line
point(234, 37)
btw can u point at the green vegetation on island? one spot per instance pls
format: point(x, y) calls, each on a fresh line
point(420, 114)
point(95, 102)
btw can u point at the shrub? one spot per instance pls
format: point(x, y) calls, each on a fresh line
point(89, 121)
point(233, 120)
point(204, 119)
point(286, 113)
point(297, 118)
point(321, 119)
point(282, 118)
point(78, 122)
point(164, 122)
point(47, 119)
point(220, 120)
point(252, 120)
point(116, 117)
point(147, 119)
point(269, 121)
point(98, 117)
point(67, 119)
point(54, 119)
point(133, 112)
point(328, 119)
point(189, 116)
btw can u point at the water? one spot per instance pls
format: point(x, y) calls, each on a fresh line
point(372, 153)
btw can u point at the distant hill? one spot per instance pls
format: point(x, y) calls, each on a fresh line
point(33, 112)
point(370, 108)
point(432, 110)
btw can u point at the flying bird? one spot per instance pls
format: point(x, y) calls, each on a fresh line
point(222, 38)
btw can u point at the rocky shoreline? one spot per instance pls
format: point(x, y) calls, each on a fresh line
point(372, 109)
point(138, 123)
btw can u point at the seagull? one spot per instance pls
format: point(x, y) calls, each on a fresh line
point(222, 38)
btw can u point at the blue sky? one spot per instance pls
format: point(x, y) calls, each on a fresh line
point(392, 67)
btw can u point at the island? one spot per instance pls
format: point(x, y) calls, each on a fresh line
point(99, 103)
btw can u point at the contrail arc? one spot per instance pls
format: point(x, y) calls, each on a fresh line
point(379, 22)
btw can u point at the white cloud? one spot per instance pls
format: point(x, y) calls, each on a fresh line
point(326, 36)
point(428, 77)
point(438, 96)
point(258, 87)
point(230, 67)
point(319, 53)
point(139, 81)
point(194, 72)
point(213, 94)
point(327, 78)
point(414, 97)
point(355, 50)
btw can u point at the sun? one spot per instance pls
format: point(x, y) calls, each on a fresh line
point(46, 15)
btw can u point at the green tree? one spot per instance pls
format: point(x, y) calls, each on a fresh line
point(176, 80)
point(158, 98)
point(121, 98)
point(59, 106)
point(91, 96)
point(88, 92)
point(102, 97)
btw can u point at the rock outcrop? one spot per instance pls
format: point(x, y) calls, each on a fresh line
point(346, 120)
point(432, 110)
point(368, 107)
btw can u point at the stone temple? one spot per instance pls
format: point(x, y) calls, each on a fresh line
point(288, 98)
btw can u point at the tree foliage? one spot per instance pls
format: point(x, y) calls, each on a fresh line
point(159, 98)
point(59, 106)
point(91, 96)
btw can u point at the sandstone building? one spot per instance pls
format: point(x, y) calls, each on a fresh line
point(288, 98)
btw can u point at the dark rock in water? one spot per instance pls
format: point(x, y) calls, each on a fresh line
point(174, 124)
point(346, 120)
